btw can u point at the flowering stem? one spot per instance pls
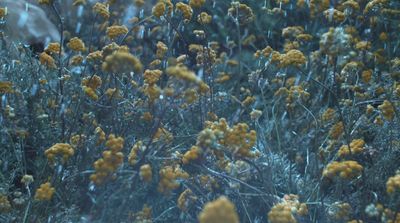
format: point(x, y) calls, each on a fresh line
point(60, 68)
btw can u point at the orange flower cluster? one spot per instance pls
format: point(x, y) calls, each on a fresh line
point(63, 149)
point(133, 155)
point(112, 159)
point(393, 184)
point(45, 192)
point(169, 178)
point(221, 210)
point(346, 170)
point(76, 44)
point(122, 62)
point(90, 85)
point(238, 139)
point(146, 173)
point(191, 155)
point(102, 10)
point(115, 31)
point(356, 147)
point(285, 211)
point(185, 200)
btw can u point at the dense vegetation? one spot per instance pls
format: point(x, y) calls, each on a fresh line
point(207, 111)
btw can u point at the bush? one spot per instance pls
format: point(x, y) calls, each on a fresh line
point(203, 111)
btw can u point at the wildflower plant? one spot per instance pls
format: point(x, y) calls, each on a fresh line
point(201, 111)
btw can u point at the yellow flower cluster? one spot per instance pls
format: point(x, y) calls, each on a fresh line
point(169, 177)
point(102, 10)
point(101, 135)
point(90, 85)
point(47, 60)
point(186, 11)
point(63, 149)
point(221, 210)
point(374, 4)
point(346, 170)
point(281, 213)
point(336, 130)
point(111, 160)
point(152, 76)
point(204, 18)
point(115, 31)
point(161, 50)
point(242, 13)
point(387, 110)
point(328, 115)
point(292, 57)
point(340, 211)
point(53, 48)
point(238, 139)
point(143, 216)
point(334, 15)
point(76, 60)
point(76, 44)
point(5, 87)
point(95, 56)
point(185, 200)
point(197, 3)
point(45, 192)
point(191, 155)
point(5, 205)
point(356, 147)
point(393, 184)
point(146, 173)
point(161, 6)
point(181, 72)
point(122, 62)
point(285, 211)
point(133, 155)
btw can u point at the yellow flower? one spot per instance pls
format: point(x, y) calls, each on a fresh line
point(344, 170)
point(122, 62)
point(241, 12)
point(221, 210)
point(393, 184)
point(5, 87)
point(204, 18)
point(53, 48)
point(76, 44)
point(102, 10)
point(196, 3)
point(152, 76)
point(46, 59)
point(76, 60)
point(161, 49)
point(292, 57)
point(192, 154)
point(186, 10)
point(63, 149)
point(159, 9)
point(146, 173)
point(45, 192)
point(387, 110)
point(115, 31)
point(337, 130)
